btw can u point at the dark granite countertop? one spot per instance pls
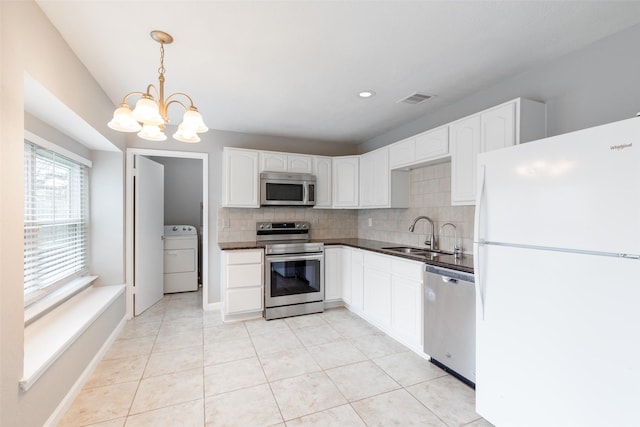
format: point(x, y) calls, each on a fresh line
point(464, 263)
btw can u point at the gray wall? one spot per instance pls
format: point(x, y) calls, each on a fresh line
point(590, 87)
point(30, 44)
point(182, 190)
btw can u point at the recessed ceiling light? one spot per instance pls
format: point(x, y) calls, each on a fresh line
point(366, 94)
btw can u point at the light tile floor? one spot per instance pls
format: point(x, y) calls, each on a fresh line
point(177, 365)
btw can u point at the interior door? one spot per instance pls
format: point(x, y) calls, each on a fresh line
point(149, 231)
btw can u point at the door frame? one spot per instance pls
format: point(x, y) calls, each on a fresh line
point(129, 218)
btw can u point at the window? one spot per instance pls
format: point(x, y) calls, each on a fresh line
point(55, 220)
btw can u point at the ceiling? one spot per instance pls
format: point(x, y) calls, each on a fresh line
point(295, 68)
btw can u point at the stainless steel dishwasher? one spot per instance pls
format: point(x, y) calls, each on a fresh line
point(450, 321)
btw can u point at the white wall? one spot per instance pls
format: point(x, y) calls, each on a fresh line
point(30, 44)
point(590, 87)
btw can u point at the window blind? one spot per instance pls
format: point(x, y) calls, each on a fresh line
point(55, 220)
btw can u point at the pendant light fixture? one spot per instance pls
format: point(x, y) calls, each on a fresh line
point(149, 116)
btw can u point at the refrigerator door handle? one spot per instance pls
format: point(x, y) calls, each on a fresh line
point(479, 241)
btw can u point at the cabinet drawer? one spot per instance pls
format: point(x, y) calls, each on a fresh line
point(242, 300)
point(244, 275)
point(244, 257)
point(411, 270)
point(377, 262)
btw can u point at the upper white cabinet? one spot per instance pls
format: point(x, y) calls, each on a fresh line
point(465, 145)
point(240, 178)
point(322, 171)
point(513, 122)
point(346, 181)
point(433, 144)
point(379, 186)
point(271, 161)
point(420, 149)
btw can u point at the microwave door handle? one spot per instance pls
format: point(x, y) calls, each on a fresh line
point(305, 194)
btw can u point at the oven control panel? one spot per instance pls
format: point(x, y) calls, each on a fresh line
point(282, 226)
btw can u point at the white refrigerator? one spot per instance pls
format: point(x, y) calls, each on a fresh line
point(557, 275)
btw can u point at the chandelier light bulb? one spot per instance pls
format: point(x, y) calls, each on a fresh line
point(147, 112)
point(193, 119)
point(186, 134)
point(123, 120)
point(152, 133)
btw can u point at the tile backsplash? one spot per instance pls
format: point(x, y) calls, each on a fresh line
point(239, 225)
point(430, 196)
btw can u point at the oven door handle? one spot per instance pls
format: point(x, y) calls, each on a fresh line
point(294, 257)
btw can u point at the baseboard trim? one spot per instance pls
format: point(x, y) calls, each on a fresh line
point(213, 306)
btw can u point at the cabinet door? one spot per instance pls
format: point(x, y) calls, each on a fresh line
point(243, 300)
point(357, 279)
point(377, 288)
point(402, 153)
point(322, 170)
point(299, 164)
point(240, 175)
point(332, 274)
point(374, 179)
point(273, 162)
point(465, 144)
point(345, 181)
point(406, 301)
point(346, 268)
point(433, 144)
point(498, 128)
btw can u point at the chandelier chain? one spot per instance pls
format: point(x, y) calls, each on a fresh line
point(161, 69)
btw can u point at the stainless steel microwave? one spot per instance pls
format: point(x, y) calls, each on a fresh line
point(287, 189)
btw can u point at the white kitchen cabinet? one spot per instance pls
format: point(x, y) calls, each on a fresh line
point(322, 171)
point(271, 161)
point(377, 289)
point(240, 178)
point(402, 153)
point(420, 149)
point(242, 281)
point(299, 163)
point(407, 302)
point(432, 145)
point(332, 273)
point(513, 122)
point(346, 267)
point(379, 186)
point(357, 279)
point(346, 181)
point(465, 145)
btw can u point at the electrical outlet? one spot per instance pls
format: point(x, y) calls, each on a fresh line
point(226, 223)
point(370, 222)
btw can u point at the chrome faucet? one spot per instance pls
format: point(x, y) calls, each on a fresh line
point(456, 248)
point(431, 242)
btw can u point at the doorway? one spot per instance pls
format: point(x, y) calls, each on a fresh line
point(133, 155)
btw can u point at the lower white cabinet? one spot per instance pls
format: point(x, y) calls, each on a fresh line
point(242, 281)
point(407, 303)
point(377, 289)
point(333, 273)
point(385, 290)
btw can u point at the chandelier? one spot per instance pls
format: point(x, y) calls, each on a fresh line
point(149, 116)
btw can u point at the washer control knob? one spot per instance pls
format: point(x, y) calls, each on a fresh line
point(175, 228)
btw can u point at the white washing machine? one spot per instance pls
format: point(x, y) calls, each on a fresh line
point(180, 258)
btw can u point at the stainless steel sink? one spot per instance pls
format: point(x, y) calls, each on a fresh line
point(415, 251)
point(406, 250)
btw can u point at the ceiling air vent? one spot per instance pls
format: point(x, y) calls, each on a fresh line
point(416, 98)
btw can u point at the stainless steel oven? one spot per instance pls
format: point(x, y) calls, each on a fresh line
point(294, 270)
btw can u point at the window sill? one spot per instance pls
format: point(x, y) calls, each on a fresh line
point(38, 309)
point(51, 335)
